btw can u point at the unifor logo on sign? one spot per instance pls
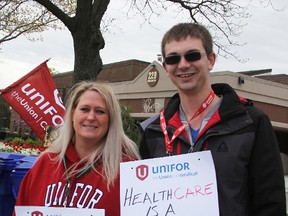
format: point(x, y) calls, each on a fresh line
point(36, 213)
point(142, 172)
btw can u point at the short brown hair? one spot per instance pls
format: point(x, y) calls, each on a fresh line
point(183, 30)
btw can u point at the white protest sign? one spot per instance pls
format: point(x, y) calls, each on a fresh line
point(181, 185)
point(56, 211)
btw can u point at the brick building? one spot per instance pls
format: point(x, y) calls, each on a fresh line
point(112, 73)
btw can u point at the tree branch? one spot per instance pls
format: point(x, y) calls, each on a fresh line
point(56, 11)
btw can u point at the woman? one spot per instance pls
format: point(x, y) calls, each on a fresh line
point(80, 169)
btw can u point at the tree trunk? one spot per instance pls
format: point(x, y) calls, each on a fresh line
point(87, 63)
point(88, 39)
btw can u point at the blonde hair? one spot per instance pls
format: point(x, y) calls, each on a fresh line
point(110, 152)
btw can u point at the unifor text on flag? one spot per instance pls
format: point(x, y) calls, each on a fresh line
point(36, 99)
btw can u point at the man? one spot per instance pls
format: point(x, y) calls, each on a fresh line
point(201, 117)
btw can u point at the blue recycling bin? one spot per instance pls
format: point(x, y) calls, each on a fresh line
point(30, 158)
point(19, 172)
point(8, 162)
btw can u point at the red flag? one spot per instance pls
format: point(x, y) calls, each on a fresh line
point(36, 99)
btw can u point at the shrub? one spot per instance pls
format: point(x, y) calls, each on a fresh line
point(130, 125)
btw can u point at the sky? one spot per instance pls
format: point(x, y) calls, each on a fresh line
point(265, 36)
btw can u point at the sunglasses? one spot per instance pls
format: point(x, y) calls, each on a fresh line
point(189, 57)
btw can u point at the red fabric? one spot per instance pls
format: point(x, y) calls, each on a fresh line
point(36, 99)
point(45, 182)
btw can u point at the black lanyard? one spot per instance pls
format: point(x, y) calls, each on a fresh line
point(69, 181)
